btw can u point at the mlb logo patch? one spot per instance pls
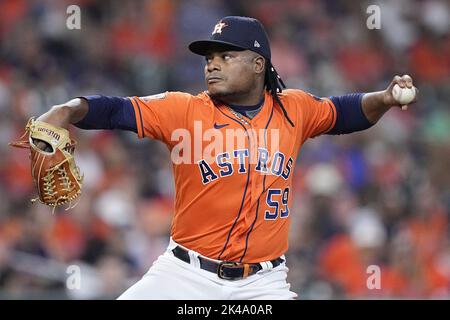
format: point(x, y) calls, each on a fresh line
point(158, 96)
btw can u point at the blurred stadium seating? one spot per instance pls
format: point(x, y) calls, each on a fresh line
point(379, 197)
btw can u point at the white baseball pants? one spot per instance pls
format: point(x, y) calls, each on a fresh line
point(170, 278)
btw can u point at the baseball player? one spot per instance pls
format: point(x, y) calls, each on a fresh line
point(234, 148)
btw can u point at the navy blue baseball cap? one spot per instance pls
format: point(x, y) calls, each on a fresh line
point(240, 33)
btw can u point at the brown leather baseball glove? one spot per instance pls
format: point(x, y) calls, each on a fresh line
point(55, 174)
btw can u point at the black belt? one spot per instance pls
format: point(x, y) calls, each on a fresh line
point(226, 269)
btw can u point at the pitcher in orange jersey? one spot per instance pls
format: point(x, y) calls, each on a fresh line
point(234, 148)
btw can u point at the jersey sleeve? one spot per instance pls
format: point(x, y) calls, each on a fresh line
point(157, 116)
point(317, 115)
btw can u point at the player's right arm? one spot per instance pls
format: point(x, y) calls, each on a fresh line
point(93, 112)
point(154, 116)
point(62, 116)
point(67, 113)
point(90, 112)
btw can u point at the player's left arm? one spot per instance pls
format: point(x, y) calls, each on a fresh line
point(376, 104)
point(360, 111)
point(346, 113)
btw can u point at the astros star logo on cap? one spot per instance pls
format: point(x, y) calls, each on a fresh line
point(218, 27)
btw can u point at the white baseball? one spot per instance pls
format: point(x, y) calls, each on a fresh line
point(403, 96)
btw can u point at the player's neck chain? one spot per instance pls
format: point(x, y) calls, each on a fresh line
point(238, 115)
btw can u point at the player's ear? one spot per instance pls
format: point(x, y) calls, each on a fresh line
point(258, 65)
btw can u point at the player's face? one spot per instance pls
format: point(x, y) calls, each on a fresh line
point(231, 73)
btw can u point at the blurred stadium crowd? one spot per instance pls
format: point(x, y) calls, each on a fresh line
point(379, 197)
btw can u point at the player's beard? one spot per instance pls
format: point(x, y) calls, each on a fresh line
point(224, 94)
point(228, 95)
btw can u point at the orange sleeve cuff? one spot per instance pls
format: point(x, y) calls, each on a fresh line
point(333, 110)
point(138, 114)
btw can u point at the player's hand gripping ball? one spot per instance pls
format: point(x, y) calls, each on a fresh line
point(56, 177)
point(403, 96)
point(401, 92)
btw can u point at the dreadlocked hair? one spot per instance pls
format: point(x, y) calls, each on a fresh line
point(275, 85)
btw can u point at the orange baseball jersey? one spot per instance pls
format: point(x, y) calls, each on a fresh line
point(233, 175)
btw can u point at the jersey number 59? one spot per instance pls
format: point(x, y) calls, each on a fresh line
point(279, 202)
